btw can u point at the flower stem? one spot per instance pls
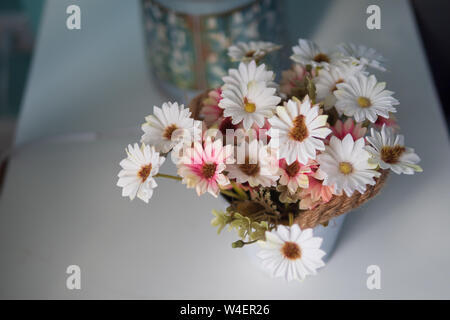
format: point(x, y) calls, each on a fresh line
point(168, 176)
point(291, 218)
point(230, 194)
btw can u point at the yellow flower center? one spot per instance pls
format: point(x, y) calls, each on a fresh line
point(291, 251)
point(364, 102)
point(345, 167)
point(145, 172)
point(391, 154)
point(249, 106)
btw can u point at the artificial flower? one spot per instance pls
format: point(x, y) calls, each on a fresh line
point(202, 166)
point(138, 169)
point(291, 253)
point(168, 126)
point(295, 175)
point(292, 79)
point(364, 98)
point(253, 50)
point(341, 129)
point(248, 73)
point(297, 130)
point(363, 55)
point(390, 122)
point(246, 95)
point(327, 80)
point(389, 152)
point(309, 53)
point(346, 165)
point(255, 164)
point(316, 193)
point(211, 112)
point(250, 106)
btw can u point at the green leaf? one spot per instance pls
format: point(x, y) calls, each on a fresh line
point(221, 220)
point(241, 224)
point(259, 230)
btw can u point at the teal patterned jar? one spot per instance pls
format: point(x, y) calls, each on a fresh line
point(187, 40)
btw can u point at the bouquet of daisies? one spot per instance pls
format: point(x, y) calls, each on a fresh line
point(286, 156)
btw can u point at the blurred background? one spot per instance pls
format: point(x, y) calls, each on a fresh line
point(19, 21)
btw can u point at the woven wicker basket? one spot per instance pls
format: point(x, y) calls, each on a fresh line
point(322, 213)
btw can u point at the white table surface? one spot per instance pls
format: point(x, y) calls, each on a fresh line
point(60, 205)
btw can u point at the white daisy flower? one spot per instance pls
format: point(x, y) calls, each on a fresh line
point(248, 73)
point(327, 80)
point(291, 253)
point(297, 130)
point(346, 165)
point(253, 50)
point(307, 52)
point(364, 98)
point(389, 152)
point(363, 55)
point(248, 95)
point(138, 169)
point(255, 164)
point(168, 126)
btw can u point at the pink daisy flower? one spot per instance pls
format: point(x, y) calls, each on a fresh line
point(341, 129)
point(295, 175)
point(316, 193)
point(202, 166)
point(389, 122)
point(211, 112)
point(292, 78)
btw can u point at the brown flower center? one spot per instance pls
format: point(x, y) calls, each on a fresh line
point(208, 170)
point(249, 169)
point(336, 83)
point(390, 154)
point(364, 102)
point(299, 131)
point(292, 169)
point(321, 57)
point(145, 172)
point(345, 167)
point(249, 54)
point(169, 131)
point(291, 251)
point(249, 106)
